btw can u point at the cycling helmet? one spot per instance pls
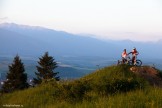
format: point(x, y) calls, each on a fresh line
point(134, 48)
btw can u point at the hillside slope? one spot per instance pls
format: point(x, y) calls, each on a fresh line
point(123, 84)
point(152, 75)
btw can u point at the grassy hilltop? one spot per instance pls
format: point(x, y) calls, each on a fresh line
point(111, 87)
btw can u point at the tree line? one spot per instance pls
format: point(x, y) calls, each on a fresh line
point(16, 78)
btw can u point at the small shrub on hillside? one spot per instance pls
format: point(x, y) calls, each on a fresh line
point(118, 85)
point(72, 92)
point(76, 91)
point(124, 85)
point(49, 81)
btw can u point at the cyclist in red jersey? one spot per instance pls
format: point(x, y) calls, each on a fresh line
point(134, 53)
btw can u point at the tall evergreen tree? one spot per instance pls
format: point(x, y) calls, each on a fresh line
point(45, 70)
point(16, 77)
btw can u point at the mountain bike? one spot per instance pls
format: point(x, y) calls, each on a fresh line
point(128, 61)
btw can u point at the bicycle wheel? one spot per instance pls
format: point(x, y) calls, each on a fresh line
point(138, 62)
point(119, 62)
point(130, 62)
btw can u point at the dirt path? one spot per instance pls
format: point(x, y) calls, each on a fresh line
point(149, 73)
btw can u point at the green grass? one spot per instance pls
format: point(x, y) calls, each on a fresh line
point(110, 87)
point(150, 98)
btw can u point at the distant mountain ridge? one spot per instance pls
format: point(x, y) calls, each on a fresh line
point(34, 40)
point(38, 39)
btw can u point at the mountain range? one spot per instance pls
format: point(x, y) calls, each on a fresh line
point(34, 40)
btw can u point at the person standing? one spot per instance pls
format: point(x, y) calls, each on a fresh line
point(134, 53)
point(124, 56)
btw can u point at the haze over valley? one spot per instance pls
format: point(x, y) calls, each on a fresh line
point(76, 55)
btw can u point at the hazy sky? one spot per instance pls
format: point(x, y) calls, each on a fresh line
point(139, 20)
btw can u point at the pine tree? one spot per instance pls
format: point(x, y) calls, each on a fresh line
point(45, 69)
point(16, 77)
